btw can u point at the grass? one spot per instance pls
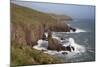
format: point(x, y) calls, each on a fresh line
point(22, 55)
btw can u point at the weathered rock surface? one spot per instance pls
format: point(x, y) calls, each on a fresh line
point(54, 44)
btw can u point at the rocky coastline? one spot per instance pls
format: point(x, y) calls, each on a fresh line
point(28, 26)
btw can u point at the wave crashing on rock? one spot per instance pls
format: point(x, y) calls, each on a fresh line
point(72, 47)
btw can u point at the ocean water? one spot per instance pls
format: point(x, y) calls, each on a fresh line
point(83, 40)
point(84, 36)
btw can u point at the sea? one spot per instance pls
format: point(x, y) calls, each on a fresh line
point(83, 40)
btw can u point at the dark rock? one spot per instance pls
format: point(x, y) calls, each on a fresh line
point(73, 29)
point(72, 48)
point(54, 44)
point(64, 53)
point(68, 48)
point(62, 38)
point(63, 48)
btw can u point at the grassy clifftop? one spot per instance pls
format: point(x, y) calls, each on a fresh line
point(27, 26)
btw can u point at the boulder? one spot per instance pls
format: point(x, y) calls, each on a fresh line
point(53, 44)
point(73, 29)
point(68, 48)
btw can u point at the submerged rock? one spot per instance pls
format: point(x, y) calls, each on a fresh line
point(73, 48)
point(73, 29)
point(64, 53)
point(62, 38)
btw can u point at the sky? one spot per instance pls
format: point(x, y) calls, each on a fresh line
point(75, 11)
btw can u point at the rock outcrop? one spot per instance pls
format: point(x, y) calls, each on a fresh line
point(54, 44)
point(73, 29)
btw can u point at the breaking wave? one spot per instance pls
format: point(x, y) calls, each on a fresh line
point(43, 44)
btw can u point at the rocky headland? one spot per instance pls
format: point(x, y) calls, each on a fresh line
point(27, 27)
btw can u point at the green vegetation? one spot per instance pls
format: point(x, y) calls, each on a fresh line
point(25, 55)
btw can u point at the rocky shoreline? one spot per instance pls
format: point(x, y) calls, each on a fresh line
point(27, 33)
point(28, 26)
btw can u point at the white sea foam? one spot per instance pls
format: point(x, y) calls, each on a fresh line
point(42, 45)
point(51, 52)
point(79, 30)
point(46, 34)
point(55, 37)
point(78, 49)
point(71, 42)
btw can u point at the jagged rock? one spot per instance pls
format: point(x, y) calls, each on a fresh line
point(68, 48)
point(73, 29)
point(72, 48)
point(53, 44)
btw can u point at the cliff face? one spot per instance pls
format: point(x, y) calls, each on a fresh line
point(27, 25)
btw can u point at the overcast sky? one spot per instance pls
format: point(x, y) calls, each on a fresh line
point(75, 11)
